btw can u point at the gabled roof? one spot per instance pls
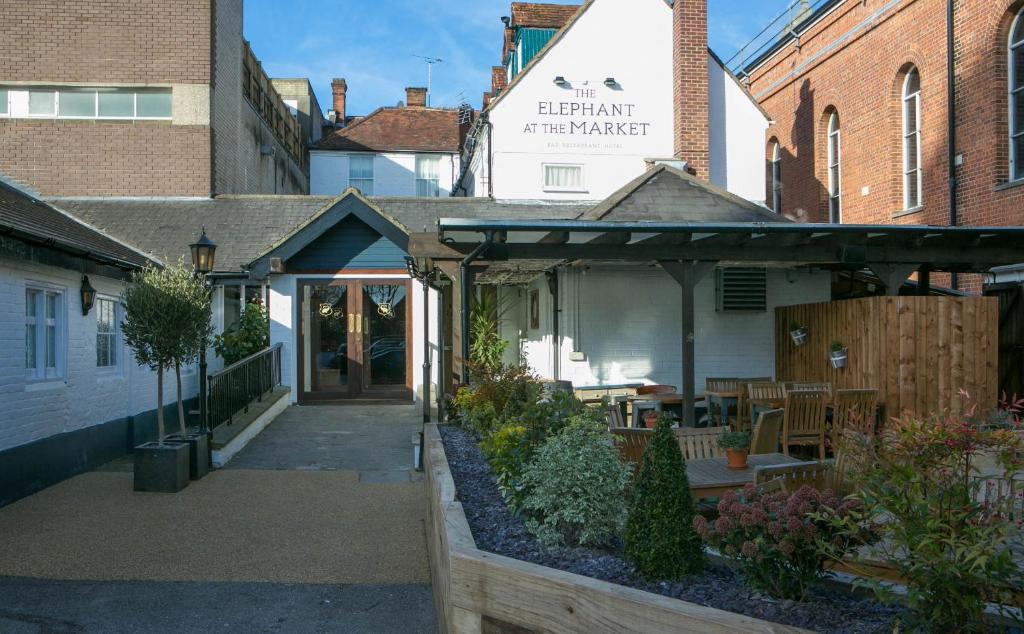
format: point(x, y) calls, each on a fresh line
point(398, 130)
point(32, 220)
point(666, 194)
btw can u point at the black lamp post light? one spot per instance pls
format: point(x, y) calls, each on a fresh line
point(203, 254)
point(88, 294)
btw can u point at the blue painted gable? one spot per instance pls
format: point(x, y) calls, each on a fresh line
point(349, 244)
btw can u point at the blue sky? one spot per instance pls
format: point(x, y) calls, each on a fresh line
point(373, 43)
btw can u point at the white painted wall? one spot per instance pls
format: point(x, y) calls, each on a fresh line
point(737, 129)
point(34, 409)
point(394, 172)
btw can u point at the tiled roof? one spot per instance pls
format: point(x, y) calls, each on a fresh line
point(398, 130)
point(33, 220)
point(542, 16)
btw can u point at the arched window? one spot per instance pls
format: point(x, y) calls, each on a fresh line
point(1016, 69)
point(776, 178)
point(912, 140)
point(835, 205)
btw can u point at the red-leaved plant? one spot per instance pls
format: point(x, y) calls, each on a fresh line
point(781, 542)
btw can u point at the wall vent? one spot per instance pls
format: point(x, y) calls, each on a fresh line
point(741, 290)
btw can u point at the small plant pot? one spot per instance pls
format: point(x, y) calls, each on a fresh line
point(737, 458)
point(838, 358)
point(799, 336)
point(198, 453)
point(161, 467)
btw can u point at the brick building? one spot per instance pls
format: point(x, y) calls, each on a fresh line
point(858, 96)
point(142, 98)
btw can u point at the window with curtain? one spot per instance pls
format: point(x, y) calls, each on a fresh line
point(428, 176)
point(834, 170)
point(43, 333)
point(106, 333)
point(360, 173)
point(563, 178)
point(912, 187)
point(1016, 69)
point(775, 176)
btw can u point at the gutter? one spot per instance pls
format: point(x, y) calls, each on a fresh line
point(69, 250)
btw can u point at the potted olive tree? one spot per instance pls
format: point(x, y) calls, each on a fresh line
point(737, 448)
point(837, 355)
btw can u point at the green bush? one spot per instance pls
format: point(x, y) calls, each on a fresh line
point(246, 337)
point(508, 449)
point(660, 539)
point(576, 489)
point(495, 396)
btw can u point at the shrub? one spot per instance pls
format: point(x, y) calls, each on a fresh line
point(941, 526)
point(576, 489)
point(781, 542)
point(486, 348)
point(735, 440)
point(246, 337)
point(508, 449)
point(494, 397)
point(660, 540)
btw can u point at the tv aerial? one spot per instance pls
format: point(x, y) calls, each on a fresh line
point(430, 68)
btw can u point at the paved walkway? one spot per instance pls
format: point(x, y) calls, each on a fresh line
point(317, 526)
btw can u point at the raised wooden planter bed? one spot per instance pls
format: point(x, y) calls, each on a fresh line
point(476, 591)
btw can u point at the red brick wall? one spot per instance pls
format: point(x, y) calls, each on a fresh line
point(690, 78)
point(856, 65)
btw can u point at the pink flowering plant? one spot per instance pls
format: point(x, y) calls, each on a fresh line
point(780, 541)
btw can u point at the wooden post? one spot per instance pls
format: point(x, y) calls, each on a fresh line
point(924, 280)
point(688, 274)
point(892, 276)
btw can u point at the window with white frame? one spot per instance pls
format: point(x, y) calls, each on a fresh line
point(107, 333)
point(834, 170)
point(1016, 69)
point(86, 103)
point(428, 176)
point(912, 186)
point(563, 178)
point(775, 177)
point(360, 173)
point(44, 325)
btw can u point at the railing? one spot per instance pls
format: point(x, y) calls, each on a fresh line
point(232, 390)
point(786, 26)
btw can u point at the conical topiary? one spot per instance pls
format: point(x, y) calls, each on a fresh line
point(660, 540)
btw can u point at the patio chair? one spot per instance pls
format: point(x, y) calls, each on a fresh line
point(791, 477)
point(698, 444)
point(742, 420)
point(631, 444)
point(854, 411)
point(772, 391)
point(766, 433)
point(801, 386)
point(804, 422)
point(613, 414)
point(718, 385)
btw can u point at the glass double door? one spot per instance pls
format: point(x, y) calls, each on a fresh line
point(354, 339)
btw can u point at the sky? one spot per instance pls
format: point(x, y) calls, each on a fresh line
point(374, 44)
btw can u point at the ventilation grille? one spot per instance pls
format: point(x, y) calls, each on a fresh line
point(741, 290)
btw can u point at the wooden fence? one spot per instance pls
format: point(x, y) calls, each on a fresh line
point(919, 352)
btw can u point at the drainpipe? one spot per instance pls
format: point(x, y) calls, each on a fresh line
point(441, 394)
point(464, 284)
point(490, 156)
point(425, 281)
point(555, 326)
point(951, 123)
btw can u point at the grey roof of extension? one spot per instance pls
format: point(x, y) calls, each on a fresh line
point(29, 219)
point(246, 227)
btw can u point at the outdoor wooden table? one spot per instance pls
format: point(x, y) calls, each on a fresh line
point(710, 477)
point(720, 398)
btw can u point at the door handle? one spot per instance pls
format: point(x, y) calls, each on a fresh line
point(359, 324)
point(350, 324)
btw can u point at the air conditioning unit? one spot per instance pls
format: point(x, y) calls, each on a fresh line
point(741, 290)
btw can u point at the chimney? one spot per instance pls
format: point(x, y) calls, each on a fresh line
point(416, 97)
point(690, 80)
point(339, 89)
point(499, 79)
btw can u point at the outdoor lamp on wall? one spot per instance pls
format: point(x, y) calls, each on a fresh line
point(88, 295)
point(610, 82)
point(560, 81)
point(203, 251)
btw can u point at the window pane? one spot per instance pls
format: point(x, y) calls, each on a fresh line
point(912, 183)
point(912, 153)
point(1018, 31)
point(102, 351)
point(3, 101)
point(51, 306)
point(41, 102)
point(232, 305)
point(1018, 113)
point(1018, 168)
point(117, 104)
point(30, 303)
point(30, 346)
point(1017, 76)
point(911, 116)
point(365, 186)
point(153, 105)
point(913, 83)
point(428, 167)
point(51, 346)
point(563, 176)
point(77, 103)
point(360, 167)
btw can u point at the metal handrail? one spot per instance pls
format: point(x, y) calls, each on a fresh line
point(235, 388)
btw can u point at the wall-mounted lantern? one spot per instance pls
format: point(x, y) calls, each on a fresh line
point(88, 294)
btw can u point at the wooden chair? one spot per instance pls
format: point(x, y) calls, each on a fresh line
point(854, 411)
point(698, 444)
point(631, 444)
point(718, 385)
point(767, 431)
point(742, 420)
point(613, 414)
point(791, 477)
point(804, 421)
point(802, 386)
point(763, 391)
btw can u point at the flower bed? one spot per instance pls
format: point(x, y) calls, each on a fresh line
point(498, 531)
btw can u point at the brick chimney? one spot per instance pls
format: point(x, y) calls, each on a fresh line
point(690, 79)
point(499, 79)
point(339, 89)
point(416, 97)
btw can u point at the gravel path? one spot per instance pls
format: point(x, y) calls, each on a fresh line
point(496, 530)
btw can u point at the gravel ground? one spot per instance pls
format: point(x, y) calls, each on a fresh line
point(497, 530)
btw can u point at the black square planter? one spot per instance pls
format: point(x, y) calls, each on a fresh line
point(198, 453)
point(161, 468)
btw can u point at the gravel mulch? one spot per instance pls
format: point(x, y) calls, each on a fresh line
point(497, 530)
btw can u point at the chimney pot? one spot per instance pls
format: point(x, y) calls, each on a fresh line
point(416, 97)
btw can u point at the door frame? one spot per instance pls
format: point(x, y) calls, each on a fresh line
point(356, 389)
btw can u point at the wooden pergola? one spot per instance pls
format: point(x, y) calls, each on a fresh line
point(465, 250)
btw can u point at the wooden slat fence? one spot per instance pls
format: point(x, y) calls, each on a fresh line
point(919, 352)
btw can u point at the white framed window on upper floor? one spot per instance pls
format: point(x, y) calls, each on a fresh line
point(428, 175)
point(775, 178)
point(45, 332)
point(108, 333)
point(912, 185)
point(1016, 77)
point(561, 177)
point(87, 103)
point(835, 173)
point(360, 173)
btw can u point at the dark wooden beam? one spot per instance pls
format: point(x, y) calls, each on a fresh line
point(688, 274)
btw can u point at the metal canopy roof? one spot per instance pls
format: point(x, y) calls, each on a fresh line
point(960, 249)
